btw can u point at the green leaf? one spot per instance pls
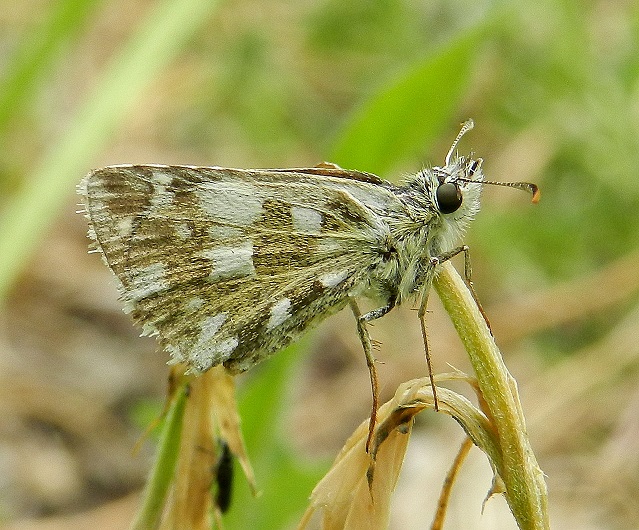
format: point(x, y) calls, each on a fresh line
point(407, 114)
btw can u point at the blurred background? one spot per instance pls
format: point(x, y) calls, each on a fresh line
point(553, 87)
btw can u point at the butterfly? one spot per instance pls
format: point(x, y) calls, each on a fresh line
point(228, 266)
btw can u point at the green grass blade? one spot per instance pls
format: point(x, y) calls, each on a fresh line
point(30, 211)
point(161, 476)
point(37, 50)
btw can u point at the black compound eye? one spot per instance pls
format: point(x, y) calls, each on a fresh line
point(449, 197)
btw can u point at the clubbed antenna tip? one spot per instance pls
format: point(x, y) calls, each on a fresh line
point(531, 188)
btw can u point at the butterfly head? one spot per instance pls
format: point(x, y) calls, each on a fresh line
point(461, 178)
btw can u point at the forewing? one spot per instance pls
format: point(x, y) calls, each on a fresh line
point(228, 266)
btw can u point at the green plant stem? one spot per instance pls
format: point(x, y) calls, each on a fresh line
point(524, 482)
point(161, 476)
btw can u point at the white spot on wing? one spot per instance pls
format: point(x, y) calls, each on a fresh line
point(194, 303)
point(125, 226)
point(207, 354)
point(333, 279)
point(162, 178)
point(210, 327)
point(279, 313)
point(306, 220)
point(227, 346)
point(161, 197)
point(230, 203)
point(183, 231)
point(231, 262)
point(208, 351)
point(146, 281)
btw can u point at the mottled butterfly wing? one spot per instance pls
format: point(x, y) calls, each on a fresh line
point(228, 266)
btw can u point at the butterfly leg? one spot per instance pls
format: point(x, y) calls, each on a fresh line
point(365, 338)
point(422, 321)
point(471, 287)
point(421, 313)
point(433, 262)
point(425, 291)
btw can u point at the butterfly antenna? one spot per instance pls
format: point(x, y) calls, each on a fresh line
point(533, 189)
point(466, 126)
